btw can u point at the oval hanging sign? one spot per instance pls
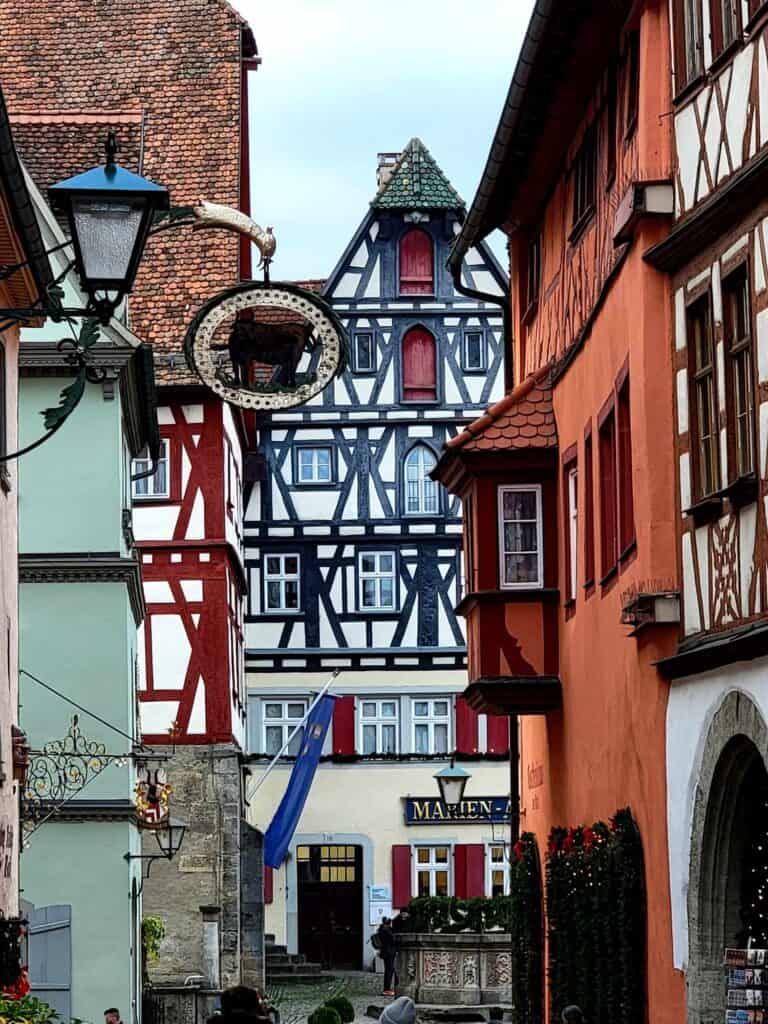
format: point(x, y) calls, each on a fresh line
point(266, 346)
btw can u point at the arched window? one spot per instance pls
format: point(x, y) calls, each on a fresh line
point(420, 491)
point(416, 267)
point(419, 366)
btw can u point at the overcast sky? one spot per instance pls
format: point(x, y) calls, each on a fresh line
point(342, 80)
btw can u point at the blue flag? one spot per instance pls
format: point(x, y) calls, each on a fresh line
point(278, 836)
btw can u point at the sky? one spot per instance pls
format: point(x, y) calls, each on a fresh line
point(342, 80)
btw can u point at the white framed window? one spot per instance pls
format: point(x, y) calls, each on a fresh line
point(520, 536)
point(365, 352)
point(474, 350)
point(497, 870)
point(159, 484)
point(432, 871)
point(280, 718)
point(573, 530)
point(379, 721)
point(431, 725)
point(376, 574)
point(314, 464)
point(421, 495)
point(281, 583)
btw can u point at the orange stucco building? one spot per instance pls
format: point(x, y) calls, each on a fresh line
point(568, 483)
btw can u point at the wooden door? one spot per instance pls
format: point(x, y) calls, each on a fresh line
point(50, 956)
point(330, 896)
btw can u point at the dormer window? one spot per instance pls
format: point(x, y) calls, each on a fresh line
point(520, 536)
point(416, 263)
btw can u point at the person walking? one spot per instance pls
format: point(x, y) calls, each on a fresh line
point(388, 953)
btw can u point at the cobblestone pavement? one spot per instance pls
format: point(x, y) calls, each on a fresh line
point(296, 1002)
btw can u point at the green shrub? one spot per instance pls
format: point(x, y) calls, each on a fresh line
point(343, 1007)
point(325, 1015)
point(27, 1009)
point(450, 915)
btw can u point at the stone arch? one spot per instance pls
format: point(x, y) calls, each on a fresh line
point(734, 753)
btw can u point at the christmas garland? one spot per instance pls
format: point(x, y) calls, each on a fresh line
point(596, 921)
point(12, 973)
point(527, 932)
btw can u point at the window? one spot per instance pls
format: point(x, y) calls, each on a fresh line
point(584, 180)
point(589, 512)
point(520, 536)
point(433, 870)
point(740, 400)
point(314, 464)
point(624, 472)
point(431, 726)
point(378, 726)
point(498, 871)
point(633, 83)
point(365, 352)
point(571, 482)
point(701, 361)
point(419, 366)
point(473, 350)
point(416, 269)
point(421, 497)
point(280, 719)
point(533, 275)
point(157, 485)
point(376, 570)
point(281, 579)
point(609, 538)
point(689, 42)
point(725, 24)
point(328, 863)
point(611, 117)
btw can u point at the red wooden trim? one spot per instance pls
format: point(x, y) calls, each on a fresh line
point(466, 728)
point(626, 516)
point(605, 410)
point(498, 734)
point(607, 463)
point(469, 870)
point(401, 876)
point(344, 725)
point(569, 455)
point(269, 884)
point(622, 375)
point(589, 508)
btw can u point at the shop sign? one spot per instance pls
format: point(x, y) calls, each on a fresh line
point(480, 810)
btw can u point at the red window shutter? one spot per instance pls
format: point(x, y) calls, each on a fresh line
point(269, 884)
point(416, 269)
point(466, 728)
point(419, 366)
point(401, 876)
point(498, 734)
point(589, 513)
point(609, 545)
point(469, 870)
point(344, 725)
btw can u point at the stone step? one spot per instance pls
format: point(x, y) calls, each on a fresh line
point(291, 970)
point(271, 947)
point(286, 980)
point(278, 959)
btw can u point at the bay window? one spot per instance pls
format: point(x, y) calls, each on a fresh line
point(520, 536)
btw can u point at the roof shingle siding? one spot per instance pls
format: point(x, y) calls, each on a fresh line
point(177, 63)
point(417, 183)
point(524, 418)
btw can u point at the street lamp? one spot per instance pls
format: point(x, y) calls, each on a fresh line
point(110, 212)
point(452, 783)
point(169, 839)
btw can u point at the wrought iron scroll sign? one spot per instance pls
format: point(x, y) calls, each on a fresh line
point(59, 771)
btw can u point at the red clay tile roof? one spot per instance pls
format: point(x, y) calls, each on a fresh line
point(524, 418)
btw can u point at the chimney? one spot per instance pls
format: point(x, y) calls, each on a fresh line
point(384, 170)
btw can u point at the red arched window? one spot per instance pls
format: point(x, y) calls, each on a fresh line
point(419, 366)
point(416, 271)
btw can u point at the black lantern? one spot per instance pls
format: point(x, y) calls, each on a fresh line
point(110, 212)
point(170, 837)
point(452, 782)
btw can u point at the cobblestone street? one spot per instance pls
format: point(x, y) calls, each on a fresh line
point(296, 1002)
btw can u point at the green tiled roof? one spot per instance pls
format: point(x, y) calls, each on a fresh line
point(417, 183)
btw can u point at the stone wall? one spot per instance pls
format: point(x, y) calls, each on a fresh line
point(219, 868)
point(465, 969)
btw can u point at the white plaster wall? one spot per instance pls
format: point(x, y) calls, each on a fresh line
point(693, 703)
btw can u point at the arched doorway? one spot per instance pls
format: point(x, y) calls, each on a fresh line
point(729, 853)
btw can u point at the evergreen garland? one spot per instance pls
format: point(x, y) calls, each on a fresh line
point(527, 933)
point(596, 921)
point(11, 933)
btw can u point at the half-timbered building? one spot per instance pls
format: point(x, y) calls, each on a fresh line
point(568, 487)
point(354, 562)
point(715, 256)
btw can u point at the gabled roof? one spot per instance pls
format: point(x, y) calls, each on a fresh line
point(417, 183)
point(523, 419)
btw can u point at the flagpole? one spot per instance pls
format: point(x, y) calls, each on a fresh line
point(299, 727)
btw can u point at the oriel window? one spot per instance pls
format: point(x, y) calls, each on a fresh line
point(689, 42)
point(739, 373)
point(701, 360)
point(520, 536)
